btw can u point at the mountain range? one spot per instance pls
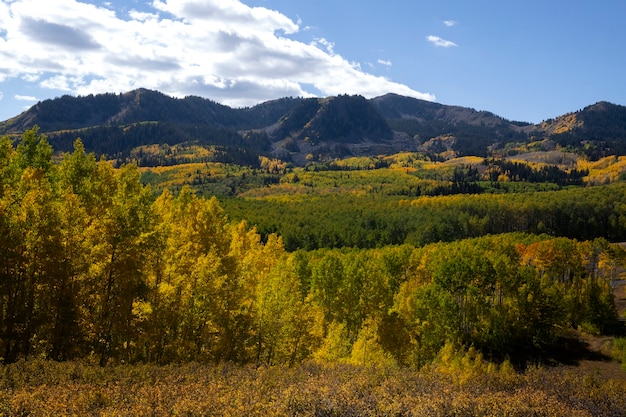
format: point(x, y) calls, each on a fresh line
point(299, 130)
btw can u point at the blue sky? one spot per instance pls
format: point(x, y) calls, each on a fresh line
point(525, 61)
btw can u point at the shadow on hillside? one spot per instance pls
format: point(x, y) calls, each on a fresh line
point(570, 349)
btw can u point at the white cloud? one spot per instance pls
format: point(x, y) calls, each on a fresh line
point(25, 98)
point(221, 49)
point(142, 16)
point(437, 41)
point(299, 23)
point(386, 63)
point(450, 23)
point(329, 46)
point(31, 78)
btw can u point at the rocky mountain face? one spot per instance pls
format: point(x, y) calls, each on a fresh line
point(304, 129)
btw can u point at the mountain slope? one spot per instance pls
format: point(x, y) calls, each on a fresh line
point(135, 106)
point(115, 124)
point(112, 125)
point(305, 129)
point(457, 130)
point(598, 129)
point(332, 127)
point(394, 106)
point(343, 119)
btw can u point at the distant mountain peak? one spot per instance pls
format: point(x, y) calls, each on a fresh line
point(598, 129)
point(602, 106)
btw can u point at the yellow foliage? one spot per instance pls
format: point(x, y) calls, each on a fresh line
point(465, 160)
point(141, 310)
point(335, 347)
point(166, 290)
point(604, 170)
point(367, 350)
point(563, 124)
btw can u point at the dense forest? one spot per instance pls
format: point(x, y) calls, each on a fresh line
point(371, 221)
point(96, 266)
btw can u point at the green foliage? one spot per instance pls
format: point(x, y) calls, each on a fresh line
point(518, 171)
point(503, 301)
point(34, 150)
point(368, 221)
point(208, 179)
point(619, 350)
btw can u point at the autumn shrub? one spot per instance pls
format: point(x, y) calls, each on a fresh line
point(460, 385)
point(619, 350)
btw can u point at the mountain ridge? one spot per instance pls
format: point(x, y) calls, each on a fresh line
point(308, 129)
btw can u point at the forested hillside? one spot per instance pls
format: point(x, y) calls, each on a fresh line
point(96, 266)
point(299, 131)
point(599, 128)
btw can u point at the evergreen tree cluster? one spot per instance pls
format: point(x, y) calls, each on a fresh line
point(519, 171)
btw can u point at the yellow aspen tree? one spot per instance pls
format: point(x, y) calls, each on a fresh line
point(117, 273)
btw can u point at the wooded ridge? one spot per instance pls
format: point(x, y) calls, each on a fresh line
point(301, 130)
